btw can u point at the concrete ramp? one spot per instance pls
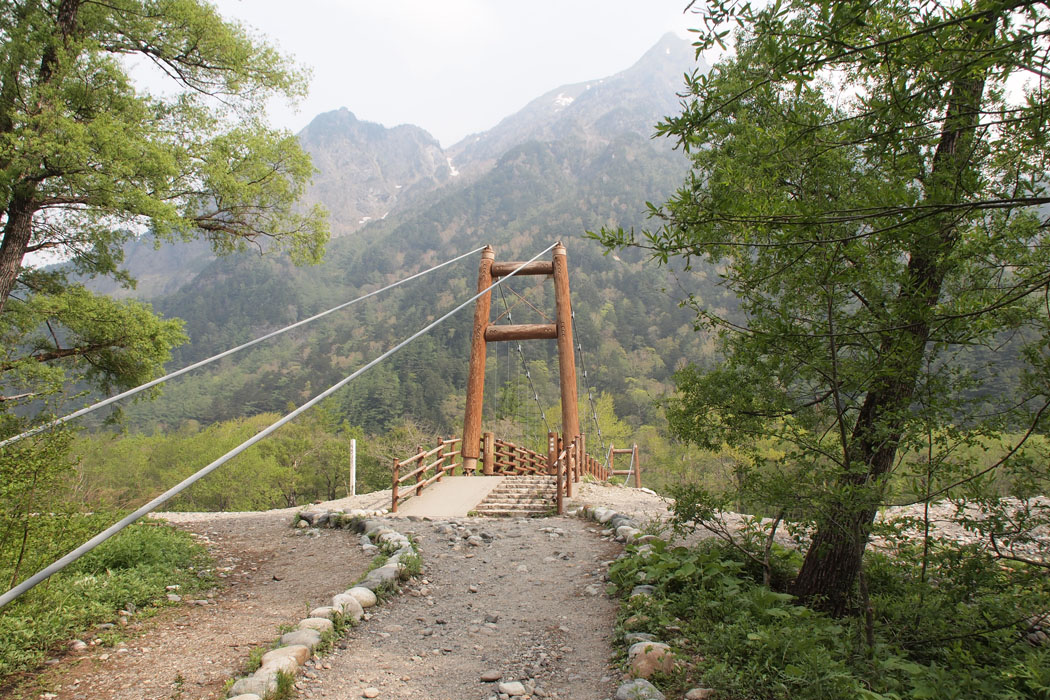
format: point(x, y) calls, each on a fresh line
point(452, 497)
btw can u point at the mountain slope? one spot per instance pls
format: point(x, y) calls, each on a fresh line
point(561, 171)
point(365, 170)
point(593, 112)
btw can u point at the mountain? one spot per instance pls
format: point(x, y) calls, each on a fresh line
point(553, 171)
point(593, 112)
point(365, 170)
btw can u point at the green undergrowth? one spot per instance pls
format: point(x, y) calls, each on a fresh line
point(129, 571)
point(958, 635)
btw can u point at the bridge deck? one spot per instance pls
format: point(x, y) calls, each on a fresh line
point(451, 497)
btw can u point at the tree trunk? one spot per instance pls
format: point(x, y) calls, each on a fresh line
point(17, 233)
point(833, 560)
point(20, 209)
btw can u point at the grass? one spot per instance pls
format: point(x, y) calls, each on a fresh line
point(131, 569)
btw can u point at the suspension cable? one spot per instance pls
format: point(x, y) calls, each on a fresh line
point(213, 358)
point(98, 539)
point(528, 374)
point(586, 384)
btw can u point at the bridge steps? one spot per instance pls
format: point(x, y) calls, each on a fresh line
point(519, 496)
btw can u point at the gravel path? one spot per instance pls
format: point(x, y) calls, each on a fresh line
point(527, 603)
point(269, 577)
point(524, 598)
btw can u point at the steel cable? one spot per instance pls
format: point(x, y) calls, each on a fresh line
point(98, 539)
point(226, 353)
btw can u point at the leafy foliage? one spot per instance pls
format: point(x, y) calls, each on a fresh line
point(867, 185)
point(129, 571)
point(958, 640)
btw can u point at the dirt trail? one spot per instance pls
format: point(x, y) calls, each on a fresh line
point(270, 577)
point(539, 614)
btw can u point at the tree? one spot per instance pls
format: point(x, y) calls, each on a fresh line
point(864, 180)
point(89, 159)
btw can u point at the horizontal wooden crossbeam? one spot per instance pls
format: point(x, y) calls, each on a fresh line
point(540, 267)
point(528, 331)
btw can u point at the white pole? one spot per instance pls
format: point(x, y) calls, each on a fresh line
point(353, 467)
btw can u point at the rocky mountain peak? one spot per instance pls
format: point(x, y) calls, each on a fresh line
point(366, 169)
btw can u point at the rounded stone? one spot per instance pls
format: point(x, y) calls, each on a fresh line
point(370, 693)
point(646, 658)
point(512, 688)
point(287, 664)
point(638, 689)
point(363, 596)
point(261, 687)
point(298, 652)
point(326, 612)
point(348, 605)
point(320, 624)
point(308, 638)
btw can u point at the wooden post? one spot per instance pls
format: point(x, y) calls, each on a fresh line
point(570, 417)
point(570, 489)
point(476, 372)
point(579, 458)
point(393, 491)
point(551, 453)
point(558, 447)
point(488, 454)
point(637, 468)
point(441, 460)
point(554, 450)
point(419, 474)
point(583, 455)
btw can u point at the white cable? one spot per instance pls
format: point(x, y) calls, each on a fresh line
point(184, 370)
point(98, 539)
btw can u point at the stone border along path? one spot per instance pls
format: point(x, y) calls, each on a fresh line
point(646, 655)
point(295, 648)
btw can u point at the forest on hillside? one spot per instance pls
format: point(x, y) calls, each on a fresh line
point(819, 294)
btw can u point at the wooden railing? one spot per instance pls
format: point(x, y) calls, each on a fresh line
point(635, 468)
point(445, 458)
point(511, 459)
point(568, 463)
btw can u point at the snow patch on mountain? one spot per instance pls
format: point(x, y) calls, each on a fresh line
point(562, 100)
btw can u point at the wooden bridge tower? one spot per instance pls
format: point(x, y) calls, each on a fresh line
point(560, 330)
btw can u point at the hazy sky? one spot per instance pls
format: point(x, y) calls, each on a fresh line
point(453, 67)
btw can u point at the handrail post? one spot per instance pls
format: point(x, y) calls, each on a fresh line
point(559, 469)
point(488, 455)
point(570, 490)
point(583, 455)
point(551, 452)
point(419, 474)
point(393, 492)
point(579, 458)
point(441, 460)
point(637, 468)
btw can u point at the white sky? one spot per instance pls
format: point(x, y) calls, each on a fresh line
point(453, 67)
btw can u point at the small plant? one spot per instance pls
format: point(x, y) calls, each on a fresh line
point(285, 686)
point(177, 686)
point(255, 658)
point(412, 564)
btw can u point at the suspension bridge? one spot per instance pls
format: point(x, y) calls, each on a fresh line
point(520, 480)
